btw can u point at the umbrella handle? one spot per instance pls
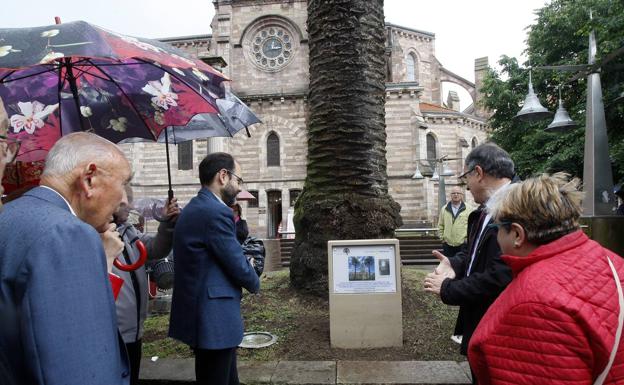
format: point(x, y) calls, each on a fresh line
point(140, 262)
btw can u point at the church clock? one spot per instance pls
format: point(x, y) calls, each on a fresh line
point(271, 48)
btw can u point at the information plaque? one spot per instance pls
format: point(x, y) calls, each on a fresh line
point(365, 293)
point(364, 269)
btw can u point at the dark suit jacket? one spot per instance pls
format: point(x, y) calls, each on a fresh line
point(57, 315)
point(475, 293)
point(210, 270)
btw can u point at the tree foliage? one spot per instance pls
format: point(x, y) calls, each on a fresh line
point(560, 36)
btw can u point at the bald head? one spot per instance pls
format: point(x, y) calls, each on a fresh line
point(74, 150)
point(457, 195)
point(91, 173)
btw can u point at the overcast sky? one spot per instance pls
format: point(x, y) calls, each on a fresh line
point(464, 30)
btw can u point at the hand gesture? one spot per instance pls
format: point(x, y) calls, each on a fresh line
point(444, 267)
point(113, 245)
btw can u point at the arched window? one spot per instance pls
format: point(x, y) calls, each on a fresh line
point(411, 63)
point(431, 147)
point(474, 143)
point(273, 150)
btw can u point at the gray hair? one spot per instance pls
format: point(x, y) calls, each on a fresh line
point(492, 159)
point(76, 149)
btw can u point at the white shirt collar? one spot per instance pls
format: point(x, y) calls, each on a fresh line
point(62, 197)
point(218, 198)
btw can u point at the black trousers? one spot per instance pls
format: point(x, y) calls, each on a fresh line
point(134, 356)
point(449, 250)
point(216, 367)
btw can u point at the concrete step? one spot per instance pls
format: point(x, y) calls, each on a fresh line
point(181, 371)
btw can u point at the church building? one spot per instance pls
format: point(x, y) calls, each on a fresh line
point(262, 45)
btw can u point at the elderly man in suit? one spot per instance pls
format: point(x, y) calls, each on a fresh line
point(57, 315)
point(210, 272)
point(473, 278)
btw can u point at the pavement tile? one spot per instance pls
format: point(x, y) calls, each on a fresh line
point(400, 372)
point(466, 366)
point(171, 369)
point(254, 372)
point(305, 372)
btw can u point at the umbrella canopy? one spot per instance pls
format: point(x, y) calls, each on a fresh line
point(75, 76)
point(233, 115)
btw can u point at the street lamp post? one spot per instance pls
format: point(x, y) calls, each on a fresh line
point(439, 172)
point(599, 200)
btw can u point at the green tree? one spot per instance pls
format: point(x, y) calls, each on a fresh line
point(560, 36)
point(345, 195)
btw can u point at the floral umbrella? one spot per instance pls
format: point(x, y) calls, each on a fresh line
point(75, 76)
point(233, 116)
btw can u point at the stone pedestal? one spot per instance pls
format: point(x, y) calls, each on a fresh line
point(365, 294)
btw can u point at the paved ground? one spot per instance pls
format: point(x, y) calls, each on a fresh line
point(181, 371)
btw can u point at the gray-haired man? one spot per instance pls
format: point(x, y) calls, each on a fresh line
point(57, 315)
point(474, 277)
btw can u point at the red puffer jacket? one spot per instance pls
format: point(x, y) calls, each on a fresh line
point(556, 322)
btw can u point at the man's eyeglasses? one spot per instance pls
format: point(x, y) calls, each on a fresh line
point(497, 225)
point(11, 149)
point(463, 176)
point(238, 178)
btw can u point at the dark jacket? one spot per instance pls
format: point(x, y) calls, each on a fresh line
point(488, 277)
point(242, 231)
point(210, 272)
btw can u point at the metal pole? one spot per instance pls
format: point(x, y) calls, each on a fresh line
point(441, 188)
point(597, 176)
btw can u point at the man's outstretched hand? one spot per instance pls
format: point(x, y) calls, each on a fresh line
point(444, 270)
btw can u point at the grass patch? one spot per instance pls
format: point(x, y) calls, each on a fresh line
point(301, 324)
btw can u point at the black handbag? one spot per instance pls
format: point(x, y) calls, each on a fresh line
point(253, 249)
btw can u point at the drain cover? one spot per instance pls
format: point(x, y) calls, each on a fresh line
point(254, 340)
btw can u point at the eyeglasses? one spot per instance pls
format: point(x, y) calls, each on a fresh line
point(463, 176)
point(495, 225)
point(456, 193)
point(11, 149)
point(238, 178)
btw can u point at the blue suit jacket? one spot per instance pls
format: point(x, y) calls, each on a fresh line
point(210, 270)
point(57, 315)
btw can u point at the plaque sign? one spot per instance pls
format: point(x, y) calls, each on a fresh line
point(364, 269)
point(365, 293)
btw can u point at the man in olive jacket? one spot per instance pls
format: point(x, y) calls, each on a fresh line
point(453, 222)
point(474, 277)
point(210, 271)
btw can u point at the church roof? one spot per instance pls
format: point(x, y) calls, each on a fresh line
point(428, 107)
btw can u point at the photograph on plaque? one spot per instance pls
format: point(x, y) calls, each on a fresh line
point(384, 266)
point(361, 268)
point(364, 269)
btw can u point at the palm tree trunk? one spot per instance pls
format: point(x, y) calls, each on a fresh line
point(345, 195)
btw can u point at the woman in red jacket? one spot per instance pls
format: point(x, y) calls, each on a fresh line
point(560, 319)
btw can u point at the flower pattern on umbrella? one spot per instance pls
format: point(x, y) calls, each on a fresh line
point(70, 77)
point(161, 90)
point(33, 116)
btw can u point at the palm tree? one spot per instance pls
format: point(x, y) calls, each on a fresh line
point(356, 263)
point(345, 195)
point(369, 262)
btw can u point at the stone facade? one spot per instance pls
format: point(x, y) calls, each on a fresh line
point(277, 94)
